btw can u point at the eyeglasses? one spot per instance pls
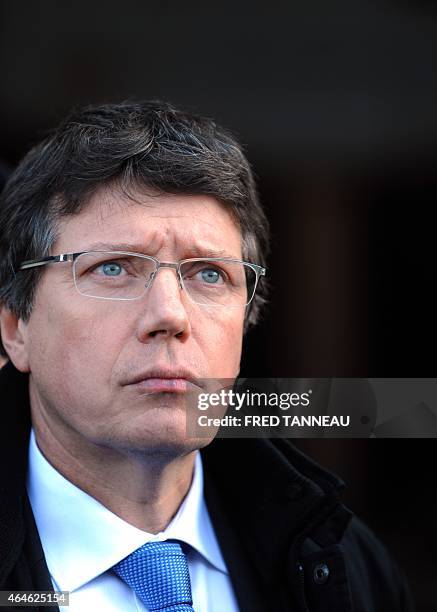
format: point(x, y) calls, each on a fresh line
point(119, 275)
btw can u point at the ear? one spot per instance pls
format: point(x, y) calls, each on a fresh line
point(14, 338)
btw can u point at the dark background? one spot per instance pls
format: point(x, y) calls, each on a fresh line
point(336, 103)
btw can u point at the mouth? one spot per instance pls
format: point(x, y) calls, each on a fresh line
point(163, 381)
point(162, 385)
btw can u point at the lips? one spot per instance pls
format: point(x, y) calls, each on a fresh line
point(162, 385)
point(163, 381)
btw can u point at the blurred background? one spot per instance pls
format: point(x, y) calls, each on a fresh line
point(336, 104)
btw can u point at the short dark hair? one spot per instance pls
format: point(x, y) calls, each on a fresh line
point(132, 144)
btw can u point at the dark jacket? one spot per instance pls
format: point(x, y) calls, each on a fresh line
point(289, 543)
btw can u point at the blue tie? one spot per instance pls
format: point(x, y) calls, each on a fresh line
point(158, 573)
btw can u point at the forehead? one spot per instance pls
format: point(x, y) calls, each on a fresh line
point(152, 223)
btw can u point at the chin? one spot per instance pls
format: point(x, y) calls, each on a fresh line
point(162, 440)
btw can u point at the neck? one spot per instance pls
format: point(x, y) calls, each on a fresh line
point(144, 489)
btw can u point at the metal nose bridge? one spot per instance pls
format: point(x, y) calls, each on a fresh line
point(164, 264)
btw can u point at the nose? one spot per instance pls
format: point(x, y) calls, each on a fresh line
point(165, 307)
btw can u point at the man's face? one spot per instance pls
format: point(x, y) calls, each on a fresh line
point(85, 353)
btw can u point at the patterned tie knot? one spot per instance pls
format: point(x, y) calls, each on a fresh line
point(158, 573)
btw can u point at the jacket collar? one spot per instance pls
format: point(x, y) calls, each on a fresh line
point(275, 496)
point(272, 494)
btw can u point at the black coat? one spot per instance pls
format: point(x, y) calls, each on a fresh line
point(289, 543)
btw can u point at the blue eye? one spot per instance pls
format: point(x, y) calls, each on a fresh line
point(209, 275)
point(111, 268)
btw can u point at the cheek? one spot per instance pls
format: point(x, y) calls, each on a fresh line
point(73, 353)
point(72, 346)
point(223, 343)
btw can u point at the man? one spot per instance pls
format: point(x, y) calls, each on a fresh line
point(132, 249)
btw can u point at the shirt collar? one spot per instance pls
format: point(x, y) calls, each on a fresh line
point(82, 539)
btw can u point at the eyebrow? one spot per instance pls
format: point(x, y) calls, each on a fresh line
point(195, 250)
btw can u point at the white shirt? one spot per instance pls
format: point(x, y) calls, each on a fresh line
point(82, 540)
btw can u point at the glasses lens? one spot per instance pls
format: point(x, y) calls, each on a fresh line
point(218, 282)
point(112, 275)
